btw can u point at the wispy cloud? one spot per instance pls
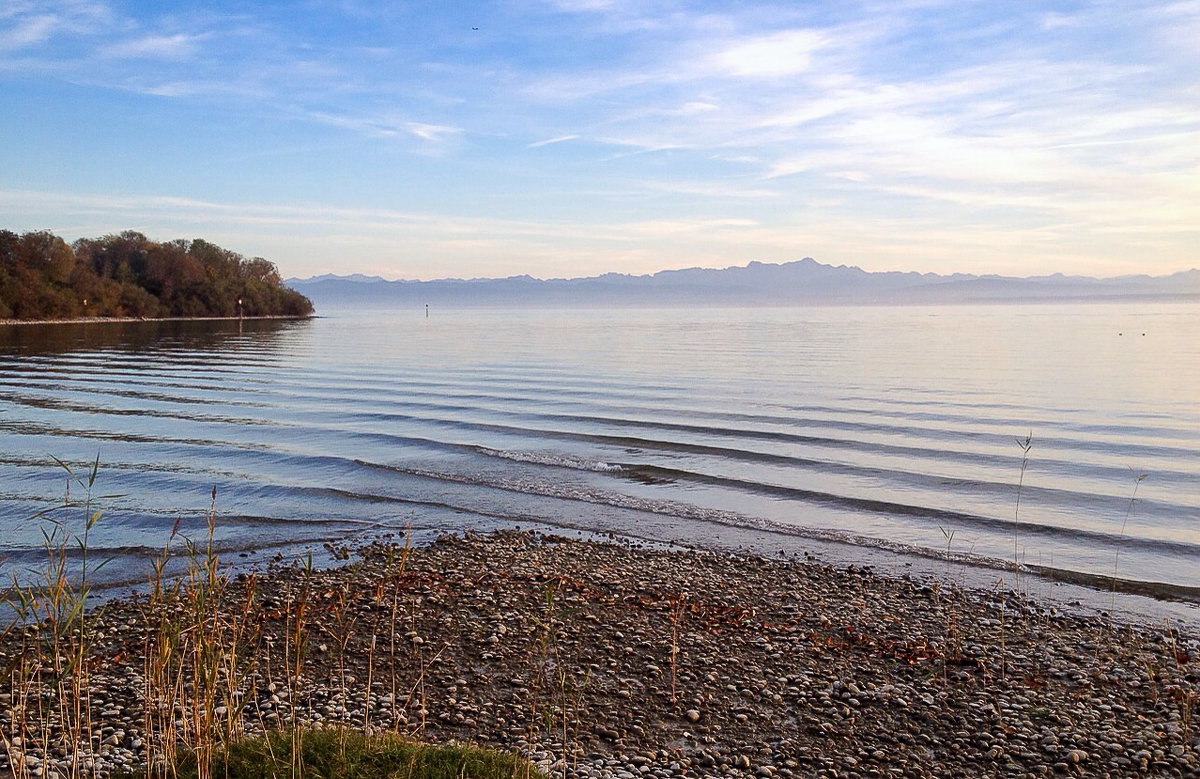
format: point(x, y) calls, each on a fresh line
point(390, 127)
point(285, 225)
point(178, 46)
point(28, 31)
point(952, 123)
point(775, 55)
point(715, 189)
point(25, 24)
point(300, 236)
point(434, 133)
point(549, 141)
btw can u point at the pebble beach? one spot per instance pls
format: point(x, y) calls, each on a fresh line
point(602, 659)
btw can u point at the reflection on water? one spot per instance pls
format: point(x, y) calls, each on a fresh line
point(143, 335)
point(884, 427)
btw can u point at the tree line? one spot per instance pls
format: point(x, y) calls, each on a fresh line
point(128, 275)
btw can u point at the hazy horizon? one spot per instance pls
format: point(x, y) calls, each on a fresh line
point(353, 275)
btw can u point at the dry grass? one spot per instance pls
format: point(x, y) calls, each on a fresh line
point(203, 658)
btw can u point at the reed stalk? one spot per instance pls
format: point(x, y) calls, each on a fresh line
point(1137, 482)
point(49, 680)
point(1026, 446)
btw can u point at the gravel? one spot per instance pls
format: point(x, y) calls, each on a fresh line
point(607, 660)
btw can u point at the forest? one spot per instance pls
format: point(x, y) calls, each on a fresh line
point(128, 275)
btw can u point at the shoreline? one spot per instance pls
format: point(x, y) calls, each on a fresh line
point(1132, 601)
point(601, 659)
point(121, 319)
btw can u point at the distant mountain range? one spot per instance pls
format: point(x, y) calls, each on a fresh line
point(803, 282)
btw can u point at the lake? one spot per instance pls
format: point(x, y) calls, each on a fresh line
point(860, 428)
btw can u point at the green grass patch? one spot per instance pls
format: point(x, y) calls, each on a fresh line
point(336, 753)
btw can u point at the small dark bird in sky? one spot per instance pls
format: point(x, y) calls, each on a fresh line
point(474, 28)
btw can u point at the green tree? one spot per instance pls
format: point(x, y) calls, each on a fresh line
point(258, 269)
point(127, 274)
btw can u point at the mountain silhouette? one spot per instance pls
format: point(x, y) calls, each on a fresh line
point(802, 282)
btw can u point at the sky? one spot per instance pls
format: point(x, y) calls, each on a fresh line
point(564, 138)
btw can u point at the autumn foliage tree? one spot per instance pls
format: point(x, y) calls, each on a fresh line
point(43, 277)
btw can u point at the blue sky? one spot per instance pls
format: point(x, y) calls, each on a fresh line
point(576, 137)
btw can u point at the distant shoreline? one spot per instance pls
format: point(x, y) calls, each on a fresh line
point(119, 319)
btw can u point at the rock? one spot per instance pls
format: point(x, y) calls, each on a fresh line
point(849, 674)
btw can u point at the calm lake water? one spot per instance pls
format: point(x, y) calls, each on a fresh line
point(882, 427)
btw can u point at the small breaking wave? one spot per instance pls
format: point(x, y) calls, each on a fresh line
point(691, 513)
point(552, 459)
point(571, 492)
